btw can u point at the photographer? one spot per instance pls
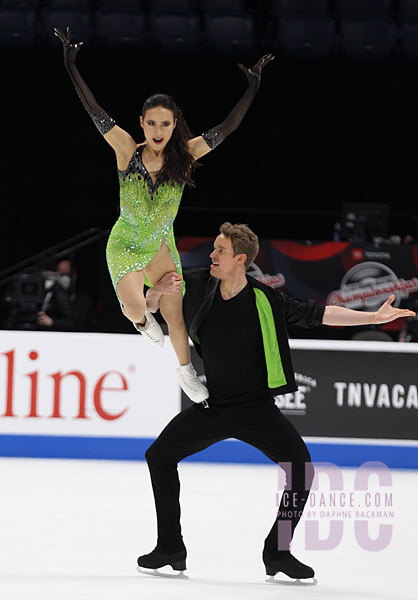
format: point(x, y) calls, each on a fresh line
point(39, 301)
point(55, 312)
point(84, 314)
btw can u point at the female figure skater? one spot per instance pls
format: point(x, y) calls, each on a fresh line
point(152, 176)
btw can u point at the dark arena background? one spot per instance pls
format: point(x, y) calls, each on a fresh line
point(322, 131)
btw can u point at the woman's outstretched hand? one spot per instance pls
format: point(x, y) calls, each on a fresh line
point(70, 50)
point(254, 74)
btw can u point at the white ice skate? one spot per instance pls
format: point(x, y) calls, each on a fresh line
point(151, 330)
point(191, 384)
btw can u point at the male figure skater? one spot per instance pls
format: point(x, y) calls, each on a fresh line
point(238, 326)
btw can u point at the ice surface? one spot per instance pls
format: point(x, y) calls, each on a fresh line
point(73, 529)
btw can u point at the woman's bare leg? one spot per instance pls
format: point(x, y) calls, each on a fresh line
point(171, 308)
point(130, 290)
point(170, 305)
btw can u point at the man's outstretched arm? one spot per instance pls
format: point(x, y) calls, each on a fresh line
point(340, 316)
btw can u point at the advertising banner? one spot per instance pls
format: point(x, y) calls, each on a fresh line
point(351, 389)
point(354, 390)
point(77, 384)
point(108, 396)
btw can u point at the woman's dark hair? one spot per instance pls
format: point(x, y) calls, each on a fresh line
point(178, 162)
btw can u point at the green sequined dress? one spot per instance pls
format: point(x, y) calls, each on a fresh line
point(147, 213)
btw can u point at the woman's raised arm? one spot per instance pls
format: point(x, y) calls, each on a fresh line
point(123, 144)
point(206, 142)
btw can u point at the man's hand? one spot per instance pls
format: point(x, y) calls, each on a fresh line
point(170, 283)
point(340, 316)
point(388, 313)
point(43, 320)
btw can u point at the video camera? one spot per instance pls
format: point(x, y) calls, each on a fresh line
point(26, 295)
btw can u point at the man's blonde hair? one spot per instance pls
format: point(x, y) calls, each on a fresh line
point(243, 240)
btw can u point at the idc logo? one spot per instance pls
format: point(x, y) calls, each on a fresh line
point(335, 504)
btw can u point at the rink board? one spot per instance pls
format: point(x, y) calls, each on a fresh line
point(103, 396)
point(350, 453)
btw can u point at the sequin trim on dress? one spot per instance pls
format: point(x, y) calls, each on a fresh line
point(137, 166)
point(103, 121)
point(213, 138)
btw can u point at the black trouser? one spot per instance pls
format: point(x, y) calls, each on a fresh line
point(261, 425)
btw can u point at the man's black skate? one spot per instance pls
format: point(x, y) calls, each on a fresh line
point(288, 565)
point(156, 560)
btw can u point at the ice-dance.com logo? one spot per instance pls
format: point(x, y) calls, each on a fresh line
point(362, 499)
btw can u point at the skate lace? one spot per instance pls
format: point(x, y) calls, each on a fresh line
point(153, 335)
point(152, 331)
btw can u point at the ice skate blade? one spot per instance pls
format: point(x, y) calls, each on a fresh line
point(300, 582)
point(157, 573)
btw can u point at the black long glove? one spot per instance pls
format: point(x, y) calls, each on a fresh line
point(101, 119)
point(217, 134)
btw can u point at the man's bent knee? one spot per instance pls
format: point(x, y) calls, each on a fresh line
point(158, 455)
point(148, 455)
point(152, 455)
